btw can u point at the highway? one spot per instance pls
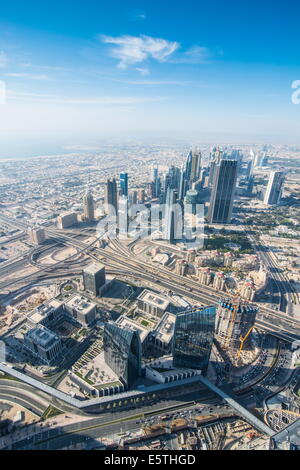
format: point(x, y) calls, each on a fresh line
point(121, 258)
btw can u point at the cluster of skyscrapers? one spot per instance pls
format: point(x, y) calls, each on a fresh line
point(186, 187)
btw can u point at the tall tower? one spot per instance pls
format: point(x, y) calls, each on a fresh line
point(88, 207)
point(123, 219)
point(195, 166)
point(170, 215)
point(223, 191)
point(216, 156)
point(274, 189)
point(124, 184)
point(111, 194)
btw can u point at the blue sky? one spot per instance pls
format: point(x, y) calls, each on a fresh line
point(77, 72)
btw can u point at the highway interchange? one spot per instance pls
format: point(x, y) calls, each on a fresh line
point(118, 259)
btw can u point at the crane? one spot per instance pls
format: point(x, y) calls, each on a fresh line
point(243, 339)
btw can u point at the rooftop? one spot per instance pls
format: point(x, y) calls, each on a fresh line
point(154, 299)
point(43, 337)
point(94, 268)
point(81, 304)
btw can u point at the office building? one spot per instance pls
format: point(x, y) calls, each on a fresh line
point(123, 218)
point(124, 184)
point(274, 188)
point(88, 207)
point(170, 216)
point(123, 352)
point(223, 192)
point(111, 195)
point(152, 303)
point(37, 235)
point(94, 278)
point(66, 220)
point(216, 155)
point(82, 309)
point(195, 166)
point(193, 338)
point(43, 344)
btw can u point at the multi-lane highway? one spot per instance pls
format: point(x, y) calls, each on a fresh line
point(120, 259)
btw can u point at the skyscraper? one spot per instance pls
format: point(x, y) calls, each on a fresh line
point(88, 207)
point(216, 156)
point(193, 338)
point(170, 215)
point(123, 352)
point(124, 184)
point(123, 219)
point(223, 191)
point(111, 194)
point(94, 278)
point(274, 188)
point(195, 166)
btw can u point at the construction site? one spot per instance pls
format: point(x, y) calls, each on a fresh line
point(234, 331)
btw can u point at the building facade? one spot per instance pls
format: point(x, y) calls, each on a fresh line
point(123, 352)
point(193, 338)
point(274, 188)
point(94, 278)
point(223, 191)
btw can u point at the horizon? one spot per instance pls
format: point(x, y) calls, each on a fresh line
point(78, 76)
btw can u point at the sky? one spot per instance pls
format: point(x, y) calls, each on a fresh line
point(77, 72)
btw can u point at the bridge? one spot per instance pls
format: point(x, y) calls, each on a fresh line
point(249, 417)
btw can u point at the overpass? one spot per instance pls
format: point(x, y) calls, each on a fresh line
point(249, 417)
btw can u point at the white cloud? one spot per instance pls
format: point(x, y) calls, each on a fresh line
point(143, 71)
point(141, 16)
point(3, 59)
point(28, 76)
point(131, 50)
point(194, 55)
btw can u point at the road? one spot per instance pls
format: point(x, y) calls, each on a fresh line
point(121, 259)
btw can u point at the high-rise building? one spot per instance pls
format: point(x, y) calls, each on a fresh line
point(193, 338)
point(156, 183)
point(223, 192)
point(88, 207)
point(195, 166)
point(94, 278)
point(216, 156)
point(111, 194)
point(274, 188)
point(37, 235)
point(124, 184)
point(68, 219)
point(123, 218)
point(123, 352)
point(170, 215)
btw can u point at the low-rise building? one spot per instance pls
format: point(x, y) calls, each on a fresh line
point(82, 309)
point(43, 344)
point(152, 303)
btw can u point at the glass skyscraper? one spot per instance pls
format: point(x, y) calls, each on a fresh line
point(124, 184)
point(223, 191)
point(193, 338)
point(123, 352)
point(274, 188)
